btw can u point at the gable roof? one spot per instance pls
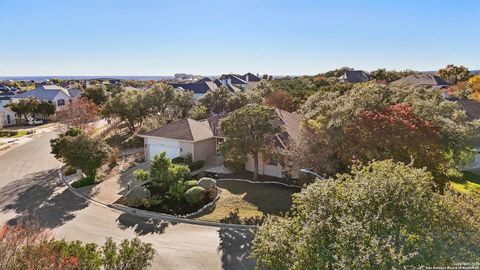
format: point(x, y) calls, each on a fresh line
point(197, 87)
point(204, 79)
point(234, 79)
point(185, 129)
point(422, 79)
point(251, 77)
point(354, 76)
point(47, 92)
point(471, 107)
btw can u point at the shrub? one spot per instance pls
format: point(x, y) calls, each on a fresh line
point(176, 191)
point(113, 157)
point(178, 160)
point(84, 181)
point(70, 170)
point(207, 183)
point(195, 194)
point(191, 183)
point(196, 165)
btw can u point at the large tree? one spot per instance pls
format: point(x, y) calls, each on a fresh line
point(131, 107)
point(249, 130)
point(383, 216)
point(377, 122)
point(81, 151)
point(97, 94)
point(46, 108)
point(24, 107)
point(280, 99)
point(79, 113)
point(454, 74)
point(216, 100)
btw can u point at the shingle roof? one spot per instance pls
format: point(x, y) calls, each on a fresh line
point(197, 88)
point(251, 77)
point(421, 79)
point(354, 76)
point(234, 79)
point(204, 79)
point(47, 92)
point(471, 107)
point(184, 129)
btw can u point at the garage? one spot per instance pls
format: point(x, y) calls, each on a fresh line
point(172, 152)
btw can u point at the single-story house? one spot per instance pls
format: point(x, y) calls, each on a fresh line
point(201, 140)
point(422, 80)
point(53, 93)
point(7, 117)
point(354, 76)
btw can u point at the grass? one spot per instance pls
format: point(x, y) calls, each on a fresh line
point(469, 183)
point(83, 182)
point(20, 133)
point(248, 201)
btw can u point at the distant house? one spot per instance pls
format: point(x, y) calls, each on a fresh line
point(234, 83)
point(201, 140)
point(7, 117)
point(354, 76)
point(53, 93)
point(422, 80)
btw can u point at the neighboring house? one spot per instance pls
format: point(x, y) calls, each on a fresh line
point(472, 109)
point(234, 83)
point(53, 93)
point(201, 139)
point(7, 117)
point(422, 80)
point(354, 76)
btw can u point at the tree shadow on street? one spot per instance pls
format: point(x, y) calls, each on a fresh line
point(39, 196)
point(141, 226)
point(235, 245)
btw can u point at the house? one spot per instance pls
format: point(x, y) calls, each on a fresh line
point(198, 88)
point(7, 117)
point(201, 140)
point(53, 93)
point(422, 80)
point(354, 76)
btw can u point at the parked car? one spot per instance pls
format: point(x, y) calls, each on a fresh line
point(35, 122)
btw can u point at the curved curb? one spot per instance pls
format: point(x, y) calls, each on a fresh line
point(153, 215)
point(257, 182)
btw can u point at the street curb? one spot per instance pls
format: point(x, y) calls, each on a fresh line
point(257, 182)
point(153, 215)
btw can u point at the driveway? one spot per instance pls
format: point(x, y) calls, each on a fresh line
point(30, 189)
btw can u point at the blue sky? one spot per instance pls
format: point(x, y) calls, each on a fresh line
point(163, 37)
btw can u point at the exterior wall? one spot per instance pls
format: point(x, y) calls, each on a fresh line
point(59, 96)
point(186, 148)
point(6, 113)
point(263, 167)
point(204, 149)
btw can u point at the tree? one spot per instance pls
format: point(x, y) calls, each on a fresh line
point(364, 122)
point(24, 107)
point(46, 108)
point(97, 94)
point(163, 174)
point(130, 106)
point(216, 100)
point(382, 74)
point(81, 151)
point(454, 74)
point(249, 130)
point(382, 216)
point(199, 112)
point(280, 99)
point(237, 101)
point(79, 113)
point(474, 84)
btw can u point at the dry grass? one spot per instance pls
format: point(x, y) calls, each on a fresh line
point(251, 200)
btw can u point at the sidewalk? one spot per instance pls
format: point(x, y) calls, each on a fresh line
point(7, 144)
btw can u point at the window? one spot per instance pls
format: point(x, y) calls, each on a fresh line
point(61, 102)
point(8, 119)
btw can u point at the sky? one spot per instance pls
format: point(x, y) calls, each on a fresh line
point(207, 37)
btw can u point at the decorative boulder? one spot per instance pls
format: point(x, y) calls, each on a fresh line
point(136, 196)
point(191, 183)
point(195, 194)
point(207, 183)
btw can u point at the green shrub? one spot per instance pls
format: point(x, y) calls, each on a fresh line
point(83, 182)
point(196, 165)
point(191, 183)
point(195, 194)
point(70, 170)
point(178, 160)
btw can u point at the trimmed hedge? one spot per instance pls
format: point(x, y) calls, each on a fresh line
point(196, 165)
point(83, 182)
point(178, 160)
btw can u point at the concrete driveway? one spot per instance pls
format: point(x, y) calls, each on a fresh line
point(30, 189)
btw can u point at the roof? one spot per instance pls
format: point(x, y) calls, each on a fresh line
point(251, 77)
point(197, 87)
point(421, 79)
point(354, 76)
point(234, 79)
point(185, 129)
point(471, 107)
point(48, 92)
point(204, 79)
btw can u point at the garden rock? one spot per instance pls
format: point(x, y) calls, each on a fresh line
point(136, 196)
point(207, 183)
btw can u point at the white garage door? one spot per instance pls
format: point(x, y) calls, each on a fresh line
point(171, 151)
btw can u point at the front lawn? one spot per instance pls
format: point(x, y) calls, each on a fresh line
point(243, 202)
point(469, 183)
point(13, 134)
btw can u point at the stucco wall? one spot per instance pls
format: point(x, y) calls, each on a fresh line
point(204, 149)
